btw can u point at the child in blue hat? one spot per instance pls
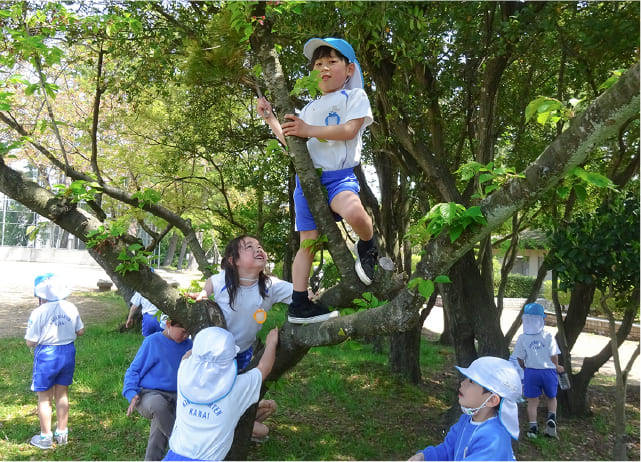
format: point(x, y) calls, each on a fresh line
point(334, 124)
point(51, 331)
point(538, 353)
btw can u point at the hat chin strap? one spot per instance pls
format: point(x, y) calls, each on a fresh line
point(474, 410)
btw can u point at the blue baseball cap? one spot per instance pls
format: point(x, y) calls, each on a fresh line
point(534, 308)
point(344, 48)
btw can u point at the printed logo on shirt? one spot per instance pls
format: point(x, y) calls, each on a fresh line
point(59, 320)
point(536, 345)
point(201, 413)
point(333, 118)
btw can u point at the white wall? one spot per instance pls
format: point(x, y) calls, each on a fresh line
point(29, 254)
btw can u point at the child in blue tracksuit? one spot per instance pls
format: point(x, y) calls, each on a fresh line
point(150, 383)
point(488, 397)
point(51, 332)
point(538, 353)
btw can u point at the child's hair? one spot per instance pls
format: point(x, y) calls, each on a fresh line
point(174, 323)
point(232, 281)
point(325, 51)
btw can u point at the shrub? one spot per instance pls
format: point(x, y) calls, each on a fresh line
point(518, 286)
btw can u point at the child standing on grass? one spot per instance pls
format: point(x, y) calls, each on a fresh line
point(538, 353)
point(334, 124)
point(150, 383)
point(212, 397)
point(51, 331)
point(488, 397)
point(245, 294)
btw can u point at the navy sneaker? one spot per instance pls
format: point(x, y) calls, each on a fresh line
point(366, 264)
point(309, 312)
point(533, 432)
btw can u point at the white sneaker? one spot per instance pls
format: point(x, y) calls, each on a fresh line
point(42, 442)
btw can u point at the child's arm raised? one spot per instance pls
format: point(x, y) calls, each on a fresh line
point(269, 355)
point(264, 109)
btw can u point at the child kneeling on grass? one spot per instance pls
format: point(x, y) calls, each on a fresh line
point(212, 397)
point(488, 397)
point(150, 383)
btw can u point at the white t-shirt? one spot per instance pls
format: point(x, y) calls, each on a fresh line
point(206, 431)
point(536, 349)
point(335, 108)
point(146, 306)
point(243, 320)
point(54, 323)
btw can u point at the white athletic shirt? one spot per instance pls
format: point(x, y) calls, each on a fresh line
point(536, 349)
point(335, 108)
point(242, 320)
point(54, 323)
point(206, 431)
point(146, 306)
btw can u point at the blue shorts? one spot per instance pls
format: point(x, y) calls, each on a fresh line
point(243, 358)
point(150, 325)
point(171, 455)
point(537, 380)
point(53, 365)
point(335, 181)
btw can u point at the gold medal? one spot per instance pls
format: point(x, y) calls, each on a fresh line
point(260, 316)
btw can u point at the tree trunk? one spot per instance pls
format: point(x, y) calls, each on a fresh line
point(404, 353)
point(181, 256)
point(171, 250)
point(580, 301)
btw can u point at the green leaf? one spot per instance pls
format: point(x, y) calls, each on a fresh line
point(442, 279)
point(426, 288)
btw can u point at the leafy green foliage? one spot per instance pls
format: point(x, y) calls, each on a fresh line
point(132, 258)
point(147, 197)
point(600, 247)
point(496, 176)
point(550, 110)
point(314, 245)
point(105, 233)
point(579, 180)
point(518, 285)
point(307, 85)
point(614, 78)
point(455, 217)
point(426, 286)
point(78, 190)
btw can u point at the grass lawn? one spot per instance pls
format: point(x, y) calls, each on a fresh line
point(339, 403)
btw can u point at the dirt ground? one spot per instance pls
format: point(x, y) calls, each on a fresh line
point(17, 300)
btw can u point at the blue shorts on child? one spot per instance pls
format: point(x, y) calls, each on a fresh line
point(53, 365)
point(335, 181)
point(535, 380)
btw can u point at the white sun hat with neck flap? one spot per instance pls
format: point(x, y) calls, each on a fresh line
point(502, 379)
point(344, 48)
point(210, 372)
point(50, 287)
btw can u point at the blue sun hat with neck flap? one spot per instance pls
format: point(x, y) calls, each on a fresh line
point(344, 48)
